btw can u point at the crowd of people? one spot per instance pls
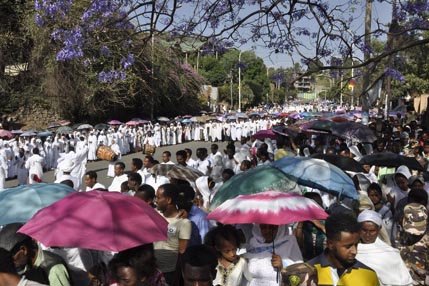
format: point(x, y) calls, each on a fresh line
point(379, 240)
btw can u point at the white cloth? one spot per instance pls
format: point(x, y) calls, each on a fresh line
point(386, 261)
point(239, 276)
point(259, 255)
point(117, 182)
point(34, 165)
point(370, 215)
point(96, 186)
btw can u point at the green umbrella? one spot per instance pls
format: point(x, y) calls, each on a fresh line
point(254, 181)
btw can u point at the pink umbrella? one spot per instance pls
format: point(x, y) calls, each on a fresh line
point(97, 220)
point(132, 123)
point(262, 134)
point(269, 207)
point(114, 122)
point(6, 133)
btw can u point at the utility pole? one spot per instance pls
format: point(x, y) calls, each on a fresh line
point(239, 81)
point(366, 56)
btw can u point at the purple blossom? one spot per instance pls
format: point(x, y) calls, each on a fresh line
point(105, 51)
point(394, 74)
point(128, 61)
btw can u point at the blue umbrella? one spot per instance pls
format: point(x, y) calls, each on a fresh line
point(186, 120)
point(318, 174)
point(19, 204)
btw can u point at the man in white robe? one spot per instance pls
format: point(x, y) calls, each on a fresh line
point(34, 165)
point(115, 148)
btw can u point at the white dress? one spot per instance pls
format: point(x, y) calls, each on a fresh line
point(234, 275)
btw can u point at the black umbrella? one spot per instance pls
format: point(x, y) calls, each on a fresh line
point(101, 126)
point(344, 163)
point(389, 159)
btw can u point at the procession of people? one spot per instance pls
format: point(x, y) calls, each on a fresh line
point(363, 222)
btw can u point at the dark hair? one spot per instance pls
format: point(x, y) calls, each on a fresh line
point(199, 256)
point(214, 145)
point(376, 187)
point(141, 258)
point(186, 195)
point(229, 172)
point(171, 191)
point(150, 158)
point(121, 164)
point(147, 192)
point(124, 185)
point(91, 174)
point(68, 183)
point(188, 151)
point(417, 196)
point(247, 163)
point(36, 150)
point(100, 271)
point(231, 146)
point(340, 222)
point(168, 153)
point(220, 233)
point(6, 262)
point(181, 153)
point(137, 162)
point(135, 177)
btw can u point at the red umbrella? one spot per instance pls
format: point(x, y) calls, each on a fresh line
point(262, 134)
point(108, 221)
point(6, 133)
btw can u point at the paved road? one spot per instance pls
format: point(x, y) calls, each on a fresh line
point(101, 166)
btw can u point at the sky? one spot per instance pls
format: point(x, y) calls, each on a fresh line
point(381, 11)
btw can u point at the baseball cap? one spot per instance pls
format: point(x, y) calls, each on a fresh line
point(414, 221)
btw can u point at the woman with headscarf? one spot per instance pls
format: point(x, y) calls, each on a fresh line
point(270, 249)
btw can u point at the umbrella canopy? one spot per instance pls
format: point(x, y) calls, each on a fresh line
point(114, 122)
point(101, 126)
point(319, 174)
point(44, 134)
point(162, 119)
point(184, 173)
point(64, 122)
point(259, 179)
point(132, 123)
point(6, 133)
point(64, 129)
point(17, 131)
point(356, 132)
point(54, 125)
point(342, 162)
point(97, 220)
point(319, 125)
point(390, 159)
point(27, 134)
point(262, 134)
point(19, 204)
point(270, 207)
point(84, 126)
point(187, 121)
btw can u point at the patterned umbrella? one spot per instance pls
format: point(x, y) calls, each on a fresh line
point(259, 179)
point(269, 207)
point(84, 126)
point(132, 123)
point(319, 174)
point(63, 129)
point(262, 134)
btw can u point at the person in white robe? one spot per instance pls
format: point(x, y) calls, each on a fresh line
point(92, 146)
point(79, 167)
point(119, 178)
point(385, 260)
point(34, 164)
point(115, 148)
point(102, 139)
point(22, 172)
point(3, 167)
point(66, 167)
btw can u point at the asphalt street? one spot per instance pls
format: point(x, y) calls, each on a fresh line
point(101, 166)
